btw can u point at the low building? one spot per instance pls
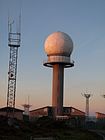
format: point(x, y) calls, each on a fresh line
point(74, 117)
point(48, 111)
point(18, 113)
point(100, 115)
point(40, 112)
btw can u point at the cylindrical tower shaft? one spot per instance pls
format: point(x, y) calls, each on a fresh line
point(87, 107)
point(87, 96)
point(57, 89)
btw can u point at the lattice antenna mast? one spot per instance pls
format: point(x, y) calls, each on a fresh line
point(14, 39)
point(26, 107)
point(87, 96)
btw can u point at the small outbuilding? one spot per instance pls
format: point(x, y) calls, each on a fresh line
point(18, 113)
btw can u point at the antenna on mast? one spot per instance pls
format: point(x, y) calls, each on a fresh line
point(14, 39)
point(26, 107)
point(87, 96)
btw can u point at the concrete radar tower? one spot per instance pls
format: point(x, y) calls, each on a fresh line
point(58, 47)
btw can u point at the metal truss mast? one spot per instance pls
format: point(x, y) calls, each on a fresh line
point(14, 44)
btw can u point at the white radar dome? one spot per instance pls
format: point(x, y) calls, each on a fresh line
point(58, 43)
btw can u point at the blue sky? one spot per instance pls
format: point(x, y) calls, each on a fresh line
point(84, 21)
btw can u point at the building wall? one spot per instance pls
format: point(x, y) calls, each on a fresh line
point(47, 111)
point(70, 111)
point(76, 112)
point(39, 112)
point(17, 115)
point(67, 111)
point(100, 115)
